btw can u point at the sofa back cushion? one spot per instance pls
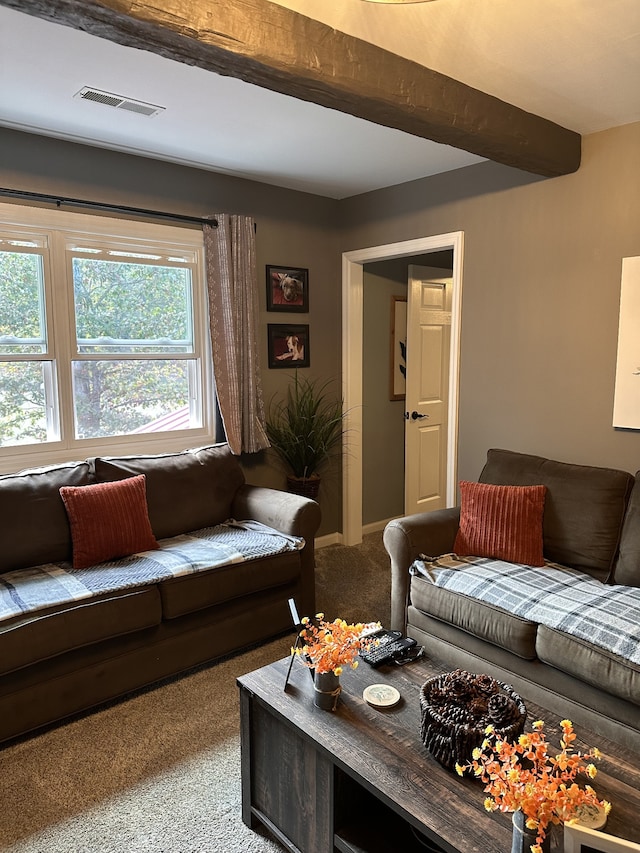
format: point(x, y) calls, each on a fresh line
point(628, 565)
point(186, 490)
point(584, 506)
point(34, 516)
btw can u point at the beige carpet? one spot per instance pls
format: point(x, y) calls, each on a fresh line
point(160, 772)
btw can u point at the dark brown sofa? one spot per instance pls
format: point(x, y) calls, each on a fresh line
point(591, 523)
point(66, 658)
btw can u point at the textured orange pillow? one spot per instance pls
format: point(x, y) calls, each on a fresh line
point(503, 522)
point(108, 520)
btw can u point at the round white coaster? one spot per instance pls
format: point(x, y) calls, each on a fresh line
point(381, 695)
point(592, 817)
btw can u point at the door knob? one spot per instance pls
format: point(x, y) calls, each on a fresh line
point(415, 416)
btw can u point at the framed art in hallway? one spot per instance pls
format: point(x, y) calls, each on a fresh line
point(398, 348)
point(287, 289)
point(288, 345)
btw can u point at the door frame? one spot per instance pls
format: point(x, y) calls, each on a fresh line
point(353, 358)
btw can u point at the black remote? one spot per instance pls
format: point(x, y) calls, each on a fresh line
point(391, 644)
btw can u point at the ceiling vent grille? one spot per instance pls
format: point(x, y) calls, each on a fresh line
point(119, 102)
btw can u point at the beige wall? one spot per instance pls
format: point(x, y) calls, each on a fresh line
point(541, 288)
point(293, 228)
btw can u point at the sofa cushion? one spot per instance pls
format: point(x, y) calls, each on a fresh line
point(185, 491)
point(589, 663)
point(187, 594)
point(627, 569)
point(40, 636)
point(556, 596)
point(32, 510)
point(584, 506)
point(504, 522)
point(53, 584)
point(476, 617)
point(108, 520)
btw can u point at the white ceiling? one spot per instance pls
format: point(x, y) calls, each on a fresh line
point(576, 62)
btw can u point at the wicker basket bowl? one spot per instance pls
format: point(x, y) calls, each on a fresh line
point(456, 708)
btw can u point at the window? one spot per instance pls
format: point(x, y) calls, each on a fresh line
point(103, 337)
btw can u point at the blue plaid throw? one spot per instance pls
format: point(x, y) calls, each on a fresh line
point(556, 596)
point(28, 590)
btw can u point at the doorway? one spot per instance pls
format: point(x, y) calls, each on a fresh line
point(352, 365)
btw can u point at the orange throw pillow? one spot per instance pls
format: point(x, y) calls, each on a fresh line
point(503, 522)
point(108, 520)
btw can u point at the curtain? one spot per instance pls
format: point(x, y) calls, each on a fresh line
point(230, 259)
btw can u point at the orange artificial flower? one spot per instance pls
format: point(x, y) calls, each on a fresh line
point(523, 776)
point(329, 646)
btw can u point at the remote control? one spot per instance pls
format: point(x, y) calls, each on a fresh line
point(391, 644)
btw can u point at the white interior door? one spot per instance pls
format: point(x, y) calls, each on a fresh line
point(426, 411)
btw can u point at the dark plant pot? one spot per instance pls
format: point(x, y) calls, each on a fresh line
point(523, 838)
point(308, 487)
point(326, 690)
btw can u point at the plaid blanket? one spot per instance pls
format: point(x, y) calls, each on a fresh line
point(556, 596)
point(28, 590)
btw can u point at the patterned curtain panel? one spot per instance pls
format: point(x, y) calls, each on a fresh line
point(233, 319)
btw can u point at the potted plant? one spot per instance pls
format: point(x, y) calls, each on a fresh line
point(538, 788)
point(327, 647)
point(305, 428)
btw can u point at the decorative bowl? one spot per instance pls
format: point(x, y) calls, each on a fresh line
point(456, 708)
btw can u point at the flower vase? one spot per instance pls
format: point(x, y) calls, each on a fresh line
point(326, 690)
point(523, 839)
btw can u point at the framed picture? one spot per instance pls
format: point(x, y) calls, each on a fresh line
point(287, 289)
point(579, 839)
point(398, 348)
point(626, 401)
point(288, 345)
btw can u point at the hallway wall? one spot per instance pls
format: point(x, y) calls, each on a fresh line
point(540, 297)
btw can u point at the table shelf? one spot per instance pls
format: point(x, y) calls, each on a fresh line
point(367, 825)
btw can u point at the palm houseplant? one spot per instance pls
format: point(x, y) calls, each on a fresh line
point(305, 429)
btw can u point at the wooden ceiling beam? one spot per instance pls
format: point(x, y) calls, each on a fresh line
point(276, 48)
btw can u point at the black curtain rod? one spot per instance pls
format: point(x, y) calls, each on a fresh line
point(98, 205)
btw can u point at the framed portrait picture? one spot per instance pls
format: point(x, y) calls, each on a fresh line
point(288, 345)
point(287, 289)
point(579, 839)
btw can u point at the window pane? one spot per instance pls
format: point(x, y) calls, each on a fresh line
point(131, 307)
point(22, 403)
point(121, 397)
point(22, 328)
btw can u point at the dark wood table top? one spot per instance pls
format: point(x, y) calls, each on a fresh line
point(384, 751)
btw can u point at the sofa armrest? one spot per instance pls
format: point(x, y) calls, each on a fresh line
point(291, 514)
point(283, 511)
point(430, 533)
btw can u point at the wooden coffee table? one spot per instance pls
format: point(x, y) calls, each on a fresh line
point(359, 780)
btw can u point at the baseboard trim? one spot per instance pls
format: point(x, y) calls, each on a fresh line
point(375, 526)
point(338, 539)
point(328, 539)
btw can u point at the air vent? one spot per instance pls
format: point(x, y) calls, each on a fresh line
point(119, 102)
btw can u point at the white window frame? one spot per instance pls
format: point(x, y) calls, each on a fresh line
point(59, 229)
